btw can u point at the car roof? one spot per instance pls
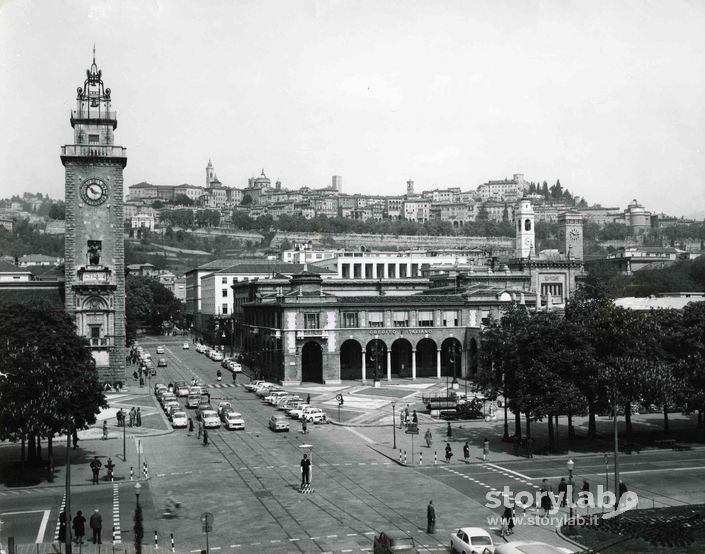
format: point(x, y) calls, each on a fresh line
point(233, 414)
point(178, 414)
point(396, 534)
point(475, 531)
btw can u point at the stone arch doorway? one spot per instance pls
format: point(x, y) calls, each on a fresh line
point(351, 360)
point(312, 363)
point(451, 358)
point(376, 362)
point(401, 358)
point(426, 358)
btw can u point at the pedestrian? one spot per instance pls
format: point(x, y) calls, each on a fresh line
point(190, 425)
point(208, 396)
point(584, 496)
point(431, 518)
point(305, 471)
point(96, 524)
point(308, 399)
point(406, 413)
point(138, 418)
point(234, 377)
point(95, 468)
point(414, 418)
point(486, 450)
point(200, 428)
point(622, 491)
point(529, 447)
point(563, 492)
point(205, 437)
point(466, 452)
point(132, 416)
point(303, 425)
point(449, 453)
point(507, 522)
point(428, 437)
point(62, 526)
point(74, 437)
point(401, 419)
point(79, 527)
point(545, 495)
point(105, 430)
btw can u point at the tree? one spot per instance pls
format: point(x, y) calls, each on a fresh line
point(57, 210)
point(150, 304)
point(50, 380)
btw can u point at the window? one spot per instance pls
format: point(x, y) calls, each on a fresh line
point(350, 320)
point(93, 139)
point(225, 293)
point(224, 280)
point(450, 318)
point(95, 331)
point(375, 319)
point(426, 319)
point(402, 271)
point(224, 309)
point(392, 271)
point(311, 321)
point(368, 271)
point(346, 271)
point(401, 319)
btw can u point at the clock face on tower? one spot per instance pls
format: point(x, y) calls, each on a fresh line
point(574, 234)
point(94, 192)
point(528, 241)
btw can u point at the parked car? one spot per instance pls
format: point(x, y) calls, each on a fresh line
point(179, 420)
point(210, 419)
point(313, 415)
point(224, 413)
point(181, 389)
point(159, 387)
point(222, 406)
point(278, 422)
point(274, 395)
point(252, 385)
point(392, 542)
point(166, 397)
point(472, 540)
point(175, 404)
point(161, 362)
point(234, 420)
point(217, 356)
point(235, 367)
point(266, 389)
point(160, 350)
point(186, 346)
point(532, 547)
point(296, 412)
point(288, 402)
point(200, 348)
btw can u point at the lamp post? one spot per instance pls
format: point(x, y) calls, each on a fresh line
point(122, 419)
point(571, 464)
point(394, 425)
point(454, 361)
point(138, 489)
point(139, 524)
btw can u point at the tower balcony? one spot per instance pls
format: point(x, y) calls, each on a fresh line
point(90, 152)
point(93, 117)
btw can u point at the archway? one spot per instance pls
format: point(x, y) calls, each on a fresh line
point(426, 358)
point(401, 358)
point(376, 362)
point(351, 360)
point(312, 362)
point(451, 358)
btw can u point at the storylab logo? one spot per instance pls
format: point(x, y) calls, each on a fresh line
point(601, 500)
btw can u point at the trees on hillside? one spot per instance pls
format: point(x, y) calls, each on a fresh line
point(49, 380)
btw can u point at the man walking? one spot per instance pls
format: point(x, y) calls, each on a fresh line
point(79, 527)
point(430, 518)
point(105, 430)
point(205, 437)
point(138, 418)
point(486, 450)
point(466, 452)
point(449, 453)
point(95, 468)
point(96, 523)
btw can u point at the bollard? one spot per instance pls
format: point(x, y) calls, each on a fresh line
point(113, 534)
point(172, 543)
point(146, 471)
point(449, 432)
point(435, 457)
point(156, 541)
point(405, 456)
point(132, 474)
point(420, 458)
point(400, 455)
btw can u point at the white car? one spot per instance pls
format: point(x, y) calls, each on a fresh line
point(160, 350)
point(266, 389)
point(234, 367)
point(234, 420)
point(288, 402)
point(210, 419)
point(297, 411)
point(179, 420)
point(313, 415)
point(252, 385)
point(217, 356)
point(274, 395)
point(472, 540)
point(181, 389)
point(186, 346)
point(200, 348)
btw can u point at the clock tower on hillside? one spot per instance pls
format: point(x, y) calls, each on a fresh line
point(524, 245)
point(570, 234)
point(95, 248)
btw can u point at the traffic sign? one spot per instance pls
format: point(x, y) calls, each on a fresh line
point(207, 522)
point(412, 428)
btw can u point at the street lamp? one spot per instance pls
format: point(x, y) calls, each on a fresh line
point(394, 425)
point(454, 361)
point(138, 489)
point(571, 464)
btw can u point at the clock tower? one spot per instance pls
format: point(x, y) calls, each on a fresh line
point(524, 245)
point(95, 248)
point(570, 234)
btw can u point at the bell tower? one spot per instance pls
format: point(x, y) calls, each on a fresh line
point(95, 248)
point(524, 245)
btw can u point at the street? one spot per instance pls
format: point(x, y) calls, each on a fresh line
point(249, 480)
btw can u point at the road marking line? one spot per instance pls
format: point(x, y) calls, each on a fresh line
point(363, 437)
point(510, 471)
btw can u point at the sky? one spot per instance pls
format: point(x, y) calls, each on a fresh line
point(607, 96)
